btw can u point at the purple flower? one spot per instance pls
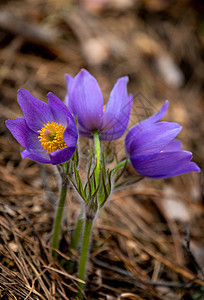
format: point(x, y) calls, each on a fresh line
point(153, 150)
point(47, 132)
point(85, 100)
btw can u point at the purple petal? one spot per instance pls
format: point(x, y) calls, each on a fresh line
point(36, 155)
point(152, 139)
point(164, 164)
point(69, 81)
point(117, 112)
point(70, 135)
point(159, 115)
point(66, 100)
point(62, 155)
point(190, 167)
point(84, 132)
point(23, 134)
point(36, 112)
point(19, 130)
point(117, 104)
point(86, 101)
point(59, 109)
point(173, 146)
point(148, 122)
point(29, 140)
point(142, 127)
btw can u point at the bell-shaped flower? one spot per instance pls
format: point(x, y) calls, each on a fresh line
point(85, 100)
point(47, 132)
point(153, 150)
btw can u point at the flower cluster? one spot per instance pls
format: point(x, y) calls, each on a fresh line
point(49, 135)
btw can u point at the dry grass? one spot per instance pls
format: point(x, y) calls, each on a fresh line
point(148, 242)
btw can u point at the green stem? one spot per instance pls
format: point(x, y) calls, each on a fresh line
point(84, 254)
point(98, 155)
point(58, 219)
point(77, 232)
point(74, 245)
point(65, 166)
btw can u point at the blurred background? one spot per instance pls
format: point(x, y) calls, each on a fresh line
point(148, 241)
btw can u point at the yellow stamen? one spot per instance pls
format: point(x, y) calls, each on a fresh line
point(51, 136)
point(104, 107)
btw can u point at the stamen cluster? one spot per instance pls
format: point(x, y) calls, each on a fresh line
point(51, 136)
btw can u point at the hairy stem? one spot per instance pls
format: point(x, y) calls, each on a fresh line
point(84, 254)
point(58, 219)
point(98, 155)
point(77, 232)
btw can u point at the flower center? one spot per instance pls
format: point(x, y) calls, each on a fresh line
point(51, 136)
point(104, 107)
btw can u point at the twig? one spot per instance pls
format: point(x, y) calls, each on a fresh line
point(191, 255)
point(182, 271)
point(139, 282)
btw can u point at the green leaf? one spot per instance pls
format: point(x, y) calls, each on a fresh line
point(79, 183)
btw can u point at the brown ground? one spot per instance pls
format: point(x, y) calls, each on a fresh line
point(148, 242)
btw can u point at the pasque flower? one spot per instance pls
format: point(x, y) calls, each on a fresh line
point(153, 150)
point(47, 132)
point(85, 100)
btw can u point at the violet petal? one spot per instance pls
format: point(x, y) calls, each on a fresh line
point(69, 81)
point(59, 109)
point(70, 135)
point(152, 139)
point(62, 155)
point(36, 155)
point(173, 146)
point(117, 112)
point(164, 164)
point(36, 112)
point(23, 134)
point(86, 101)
